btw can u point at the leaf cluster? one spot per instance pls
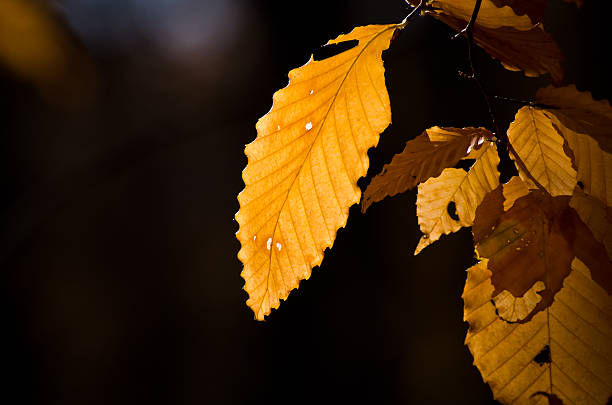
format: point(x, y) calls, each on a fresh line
point(539, 300)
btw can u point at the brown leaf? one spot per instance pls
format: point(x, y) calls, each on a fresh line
point(533, 241)
point(423, 157)
point(563, 351)
point(540, 147)
point(463, 189)
point(311, 149)
point(535, 9)
point(512, 39)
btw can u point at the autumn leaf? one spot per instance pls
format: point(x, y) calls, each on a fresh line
point(423, 157)
point(540, 147)
point(579, 112)
point(586, 126)
point(535, 241)
point(564, 351)
point(465, 190)
point(310, 150)
point(513, 39)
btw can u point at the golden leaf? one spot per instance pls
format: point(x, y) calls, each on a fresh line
point(310, 150)
point(423, 157)
point(535, 241)
point(512, 39)
point(540, 147)
point(564, 351)
point(465, 189)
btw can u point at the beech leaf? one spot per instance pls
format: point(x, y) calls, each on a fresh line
point(513, 39)
point(540, 147)
point(423, 157)
point(464, 189)
point(303, 167)
point(564, 352)
point(535, 241)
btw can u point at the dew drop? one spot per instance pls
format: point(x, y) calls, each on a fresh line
point(254, 237)
point(508, 242)
point(269, 243)
point(425, 236)
point(309, 126)
point(311, 92)
point(279, 246)
point(515, 230)
point(278, 128)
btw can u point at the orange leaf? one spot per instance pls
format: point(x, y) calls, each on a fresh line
point(423, 157)
point(311, 149)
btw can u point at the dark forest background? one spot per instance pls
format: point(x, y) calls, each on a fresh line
point(119, 281)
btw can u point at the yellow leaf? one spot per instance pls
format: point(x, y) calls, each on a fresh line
point(512, 39)
point(564, 351)
point(423, 157)
point(465, 189)
point(310, 150)
point(535, 241)
point(513, 309)
point(540, 147)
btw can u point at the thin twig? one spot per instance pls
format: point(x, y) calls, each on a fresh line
point(414, 11)
point(502, 137)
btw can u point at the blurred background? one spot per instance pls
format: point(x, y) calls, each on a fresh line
point(123, 124)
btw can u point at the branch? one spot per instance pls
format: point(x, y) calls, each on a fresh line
point(414, 11)
point(502, 137)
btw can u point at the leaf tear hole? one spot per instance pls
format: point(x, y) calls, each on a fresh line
point(328, 51)
point(465, 164)
point(543, 357)
point(581, 185)
point(451, 209)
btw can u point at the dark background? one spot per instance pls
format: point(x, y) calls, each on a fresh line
point(119, 277)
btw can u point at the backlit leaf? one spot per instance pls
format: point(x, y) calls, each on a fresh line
point(513, 39)
point(535, 241)
point(423, 157)
point(564, 351)
point(464, 189)
point(540, 147)
point(303, 167)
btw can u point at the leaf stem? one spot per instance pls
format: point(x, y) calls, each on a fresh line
point(414, 11)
